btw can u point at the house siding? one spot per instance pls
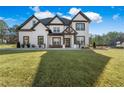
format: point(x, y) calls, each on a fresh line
point(41, 30)
point(83, 32)
point(29, 24)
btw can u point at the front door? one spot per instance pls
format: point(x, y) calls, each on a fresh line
point(67, 42)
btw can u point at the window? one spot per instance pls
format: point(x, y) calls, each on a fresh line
point(56, 40)
point(40, 40)
point(80, 26)
point(26, 40)
point(80, 40)
point(33, 22)
point(56, 29)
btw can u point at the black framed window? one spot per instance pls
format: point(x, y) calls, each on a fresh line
point(56, 40)
point(40, 40)
point(56, 29)
point(80, 40)
point(26, 39)
point(80, 26)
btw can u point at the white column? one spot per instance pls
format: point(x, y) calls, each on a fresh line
point(72, 41)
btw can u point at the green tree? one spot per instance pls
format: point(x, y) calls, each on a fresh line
point(3, 29)
point(109, 39)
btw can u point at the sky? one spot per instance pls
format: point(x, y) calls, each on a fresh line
point(104, 18)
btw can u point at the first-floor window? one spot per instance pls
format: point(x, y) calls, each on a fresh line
point(26, 39)
point(56, 40)
point(40, 40)
point(80, 40)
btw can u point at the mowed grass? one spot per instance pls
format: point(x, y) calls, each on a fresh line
point(62, 68)
point(7, 45)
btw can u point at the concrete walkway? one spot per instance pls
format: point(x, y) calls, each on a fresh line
point(40, 49)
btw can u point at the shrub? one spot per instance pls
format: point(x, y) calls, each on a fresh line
point(94, 45)
point(18, 45)
point(33, 45)
point(39, 46)
point(22, 45)
point(28, 45)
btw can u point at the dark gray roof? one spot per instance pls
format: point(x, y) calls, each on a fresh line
point(66, 21)
point(46, 21)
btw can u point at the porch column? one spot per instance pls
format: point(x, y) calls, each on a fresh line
point(72, 41)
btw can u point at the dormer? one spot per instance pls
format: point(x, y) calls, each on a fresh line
point(56, 24)
point(56, 21)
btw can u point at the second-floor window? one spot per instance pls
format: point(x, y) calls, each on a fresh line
point(56, 29)
point(80, 26)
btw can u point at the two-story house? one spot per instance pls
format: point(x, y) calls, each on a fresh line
point(56, 32)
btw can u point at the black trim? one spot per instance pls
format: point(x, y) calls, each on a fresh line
point(53, 40)
point(82, 15)
point(38, 40)
point(54, 24)
point(27, 30)
point(75, 32)
point(54, 18)
point(79, 23)
point(24, 39)
point(55, 34)
point(81, 36)
point(26, 22)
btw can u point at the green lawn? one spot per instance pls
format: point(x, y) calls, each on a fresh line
point(7, 45)
point(62, 68)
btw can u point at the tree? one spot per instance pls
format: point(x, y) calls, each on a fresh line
point(13, 34)
point(94, 45)
point(3, 29)
point(108, 39)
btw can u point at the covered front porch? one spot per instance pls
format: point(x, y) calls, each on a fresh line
point(61, 41)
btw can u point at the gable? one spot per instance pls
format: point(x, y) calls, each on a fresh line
point(29, 23)
point(80, 17)
point(39, 26)
point(56, 20)
point(69, 30)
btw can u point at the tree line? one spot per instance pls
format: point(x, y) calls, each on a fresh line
point(109, 39)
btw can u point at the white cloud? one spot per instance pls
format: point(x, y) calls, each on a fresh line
point(94, 16)
point(58, 13)
point(68, 17)
point(35, 9)
point(45, 14)
point(116, 16)
point(10, 19)
point(74, 11)
point(39, 14)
